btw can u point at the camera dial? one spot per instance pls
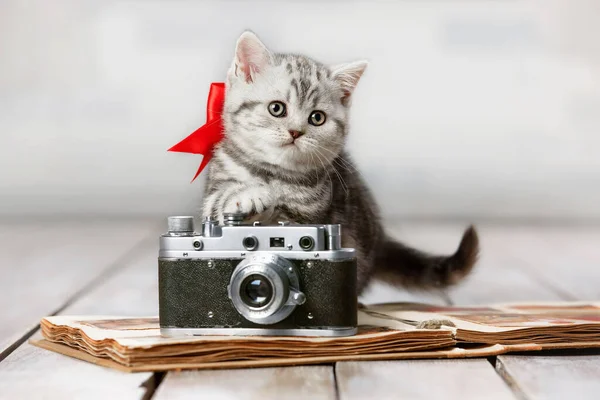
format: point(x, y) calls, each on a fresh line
point(233, 219)
point(265, 289)
point(181, 226)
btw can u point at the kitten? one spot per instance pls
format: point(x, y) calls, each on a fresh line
point(283, 158)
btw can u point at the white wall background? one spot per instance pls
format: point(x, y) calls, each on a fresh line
point(469, 108)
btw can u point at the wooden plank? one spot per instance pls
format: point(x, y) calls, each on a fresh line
point(514, 265)
point(48, 263)
point(552, 377)
point(533, 264)
point(15, 246)
point(305, 382)
point(132, 290)
point(565, 258)
point(521, 248)
point(379, 292)
point(498, 280)
point(420, 379)
point(31, 372)
point(501, 274)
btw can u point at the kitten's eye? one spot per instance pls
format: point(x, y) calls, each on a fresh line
point(277, 109)
point(317, 118)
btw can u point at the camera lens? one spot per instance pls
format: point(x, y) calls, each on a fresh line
point(306, 242)
point(261, 287)
point(256, 291)
point(250, 243)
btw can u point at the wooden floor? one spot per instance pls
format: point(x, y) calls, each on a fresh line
point(109, 267)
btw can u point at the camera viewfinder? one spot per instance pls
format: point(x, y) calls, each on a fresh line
point(277, 242)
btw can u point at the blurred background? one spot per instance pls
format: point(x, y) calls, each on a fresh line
point(468, 110)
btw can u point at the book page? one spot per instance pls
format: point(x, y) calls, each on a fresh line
point(497, 318)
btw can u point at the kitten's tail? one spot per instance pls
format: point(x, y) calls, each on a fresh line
point(400, 265)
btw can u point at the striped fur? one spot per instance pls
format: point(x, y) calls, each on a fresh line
point(259, 168)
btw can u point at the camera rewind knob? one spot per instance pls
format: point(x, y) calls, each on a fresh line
point(334, 236)
point(181, 225)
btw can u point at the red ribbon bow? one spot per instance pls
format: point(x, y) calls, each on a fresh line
point(204, 139)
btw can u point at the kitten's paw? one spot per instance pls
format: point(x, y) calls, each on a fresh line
point(250, 201)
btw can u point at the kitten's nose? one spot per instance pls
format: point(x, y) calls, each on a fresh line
point(296, 134)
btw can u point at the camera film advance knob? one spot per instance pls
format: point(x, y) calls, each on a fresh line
point(181, 225)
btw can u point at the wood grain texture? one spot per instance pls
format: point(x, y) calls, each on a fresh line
point(502, 273)
point(513, 266)
point(16, 249)
point(552, 377)
point(34, 373)
point(45, 265)
point(536, 264)
point(565, 258)
point(305, 382)
point(420, 379)
point(380, 292)
point(131, 290)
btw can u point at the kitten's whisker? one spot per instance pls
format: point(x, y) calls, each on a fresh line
point(313, 146)
point(341, 179)
point(313, 165)
point(340, 160)
point(324, 168)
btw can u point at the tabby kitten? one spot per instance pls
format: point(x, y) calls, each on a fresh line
point(283, 158)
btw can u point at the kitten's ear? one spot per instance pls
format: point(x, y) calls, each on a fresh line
point(347, 77)
point(251, 57)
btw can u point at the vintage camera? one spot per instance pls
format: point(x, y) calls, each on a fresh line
point(253, 279)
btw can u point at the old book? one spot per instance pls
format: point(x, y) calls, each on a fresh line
point(386, 331)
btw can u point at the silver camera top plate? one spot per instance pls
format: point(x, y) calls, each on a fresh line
point(235, 240)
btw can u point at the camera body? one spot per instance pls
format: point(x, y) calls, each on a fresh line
point(242, 279)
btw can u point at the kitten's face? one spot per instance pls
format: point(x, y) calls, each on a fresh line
point(287, 110)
